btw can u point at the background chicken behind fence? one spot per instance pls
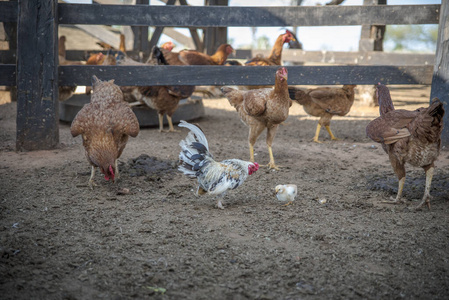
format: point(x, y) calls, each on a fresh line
point(286, 193)
point(262, 108)
point(275, 57)
point(324, 102)
point(105, 124)
point(214, 178)
point(163, 99)
point(412, 137)
point(192, 57)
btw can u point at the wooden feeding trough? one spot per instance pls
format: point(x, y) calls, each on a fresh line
point(189, 109)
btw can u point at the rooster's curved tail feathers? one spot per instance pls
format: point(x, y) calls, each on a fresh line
point(194, 150)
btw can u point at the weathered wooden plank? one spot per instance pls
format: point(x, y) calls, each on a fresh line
point(101, 33)
point(8, 75)
point(8, 11)
point(289, 55)
point(219, 16)
point(440, 80)
point(338, 57)
point(7, 57)
point(239, 75)
point(37, 77)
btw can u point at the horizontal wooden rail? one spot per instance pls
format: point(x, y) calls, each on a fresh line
point(288, 55)
point(220, 16)
point(235, 75)
point(239, 75)
point(343, 57)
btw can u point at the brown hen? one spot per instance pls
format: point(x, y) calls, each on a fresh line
point(105, 124)
point(325, 103)
point(412, 137)
point(275, 57)
point(192, 57)
point(163, 99)
point(262, 108)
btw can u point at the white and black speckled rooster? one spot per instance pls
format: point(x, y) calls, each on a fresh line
point(213, 177)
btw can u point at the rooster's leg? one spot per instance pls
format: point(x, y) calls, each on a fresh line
point(91, 179)
point(426, 198)
point(219, 204)
point(317, 133)
point(399, 195)
point(328, 128)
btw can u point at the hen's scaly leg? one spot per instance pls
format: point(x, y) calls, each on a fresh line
point(328, 128)
point(254, 132)
point(161, 122)
point(271, 164)
point(426, 198)
point(170, 125)
point(317, 133)
point(271, 133)
point(251, 153)
point(399, 169)
point(91, 180)
point(117, 173)
point(399, 195)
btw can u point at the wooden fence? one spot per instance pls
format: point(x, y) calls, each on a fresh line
point(37, 74)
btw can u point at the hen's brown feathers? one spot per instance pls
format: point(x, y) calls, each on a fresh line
point(275, 57)
point(192, 57)
point(412, 137)
point(319, 101)
point(262, 108)
point(324, 102)
point(105, 124)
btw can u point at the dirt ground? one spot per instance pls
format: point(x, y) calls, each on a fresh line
point(61, 240)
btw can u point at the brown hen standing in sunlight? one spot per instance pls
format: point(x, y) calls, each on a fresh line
point(262, 108)
point(412, 137)
point(325, 103)
point(105, 124)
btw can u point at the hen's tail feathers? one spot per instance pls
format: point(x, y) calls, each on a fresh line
point(436, 110)
point(429, 124)
point(194, 150)
point(157, 53)
point(234, 96)
point(297, 94)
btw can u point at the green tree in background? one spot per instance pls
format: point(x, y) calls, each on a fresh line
point(263, 42)
point(413, 38)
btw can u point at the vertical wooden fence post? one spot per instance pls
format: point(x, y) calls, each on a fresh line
point(440, 79)
point(215, 36)
point(37, 76)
